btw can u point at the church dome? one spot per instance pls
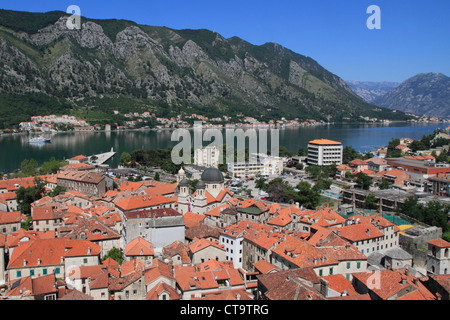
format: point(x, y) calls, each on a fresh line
point(200, 185)
point(183, 183)
point(212, 175)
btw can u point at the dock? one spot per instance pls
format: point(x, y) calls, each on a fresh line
point(102, 157)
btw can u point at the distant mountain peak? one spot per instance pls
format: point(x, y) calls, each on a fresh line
point(423, 94)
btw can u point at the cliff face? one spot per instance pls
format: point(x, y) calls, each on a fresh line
point(178, 69)
point(424, 94)
point(369, 90)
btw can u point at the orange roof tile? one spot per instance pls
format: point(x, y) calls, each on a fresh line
point(325, 142)
point(139, 247)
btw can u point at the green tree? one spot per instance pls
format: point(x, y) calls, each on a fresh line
point(56, 191)
point(363, 180)
point(26, 224)
point(277, 189)
point(371, 202)
point(125, 158)
point(156, 177)
point(26, 196)
point(28, 167)
point(302, 152)
point(51, 166)
point(307, 196)
point(433, 213)
point(115, 254)
point(260, 183)
point(384, 184)
point(349, 154)
point(322, 185)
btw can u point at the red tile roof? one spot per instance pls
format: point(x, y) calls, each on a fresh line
point(50, 251)
point(302, 254)
point(142, 202)
point(139, 247)
point(441, 243)
point(10, 217)
point(388, 283)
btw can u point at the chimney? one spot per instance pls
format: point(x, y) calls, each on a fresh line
point(24, 262)
point(89, 251)
point(39, 262)
point(368, 231)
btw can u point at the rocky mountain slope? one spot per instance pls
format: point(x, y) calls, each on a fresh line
point(369, 90)
point(424, 94)
point(171, 71)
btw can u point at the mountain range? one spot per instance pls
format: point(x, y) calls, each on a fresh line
point(423, 94)
point(371, 90)
point(121, 65)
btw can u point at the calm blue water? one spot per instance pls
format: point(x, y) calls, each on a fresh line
point(363, 138)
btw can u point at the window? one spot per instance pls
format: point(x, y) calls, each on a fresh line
point(348, 265)
point(85, 260)
point(44, 271)
point(19, 274)
point(358, 265)
point(57, 271)
point(31, 272)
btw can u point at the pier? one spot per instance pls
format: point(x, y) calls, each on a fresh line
point(102, 157)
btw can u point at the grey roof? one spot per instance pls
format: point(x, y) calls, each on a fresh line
point(212, 175)
point(398, 254)
point(376, 259)
point(200, 184)
point(184, 182)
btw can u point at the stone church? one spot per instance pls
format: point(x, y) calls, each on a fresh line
point(210, 192)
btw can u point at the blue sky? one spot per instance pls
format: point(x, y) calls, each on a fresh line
point(414, 35)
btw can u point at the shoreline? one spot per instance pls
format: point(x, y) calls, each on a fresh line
point(245, 126)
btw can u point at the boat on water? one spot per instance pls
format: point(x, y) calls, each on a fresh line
point(39, 139)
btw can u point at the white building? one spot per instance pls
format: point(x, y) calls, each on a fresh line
point(245, 169)
point(258, 163)
point(272, 165)
point(323, 152)
point(207, 156)
point(232, 239)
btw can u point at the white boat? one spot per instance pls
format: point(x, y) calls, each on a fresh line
point(40, 139)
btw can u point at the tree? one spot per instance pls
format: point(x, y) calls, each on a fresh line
point(384, 184)
point(371, 202)
point(349, 154)
point(363, 180)
point(26, 196)
point(156, 177)
point(392, 151)
point(114, 254)
point(28, 167)
point(260, 183)
point(277, 189)
point(307, 196)
point(322, 185)
point(433, 213)
point(125, 158)
point(302, 152)
point(51, 166)
point(56, 191)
